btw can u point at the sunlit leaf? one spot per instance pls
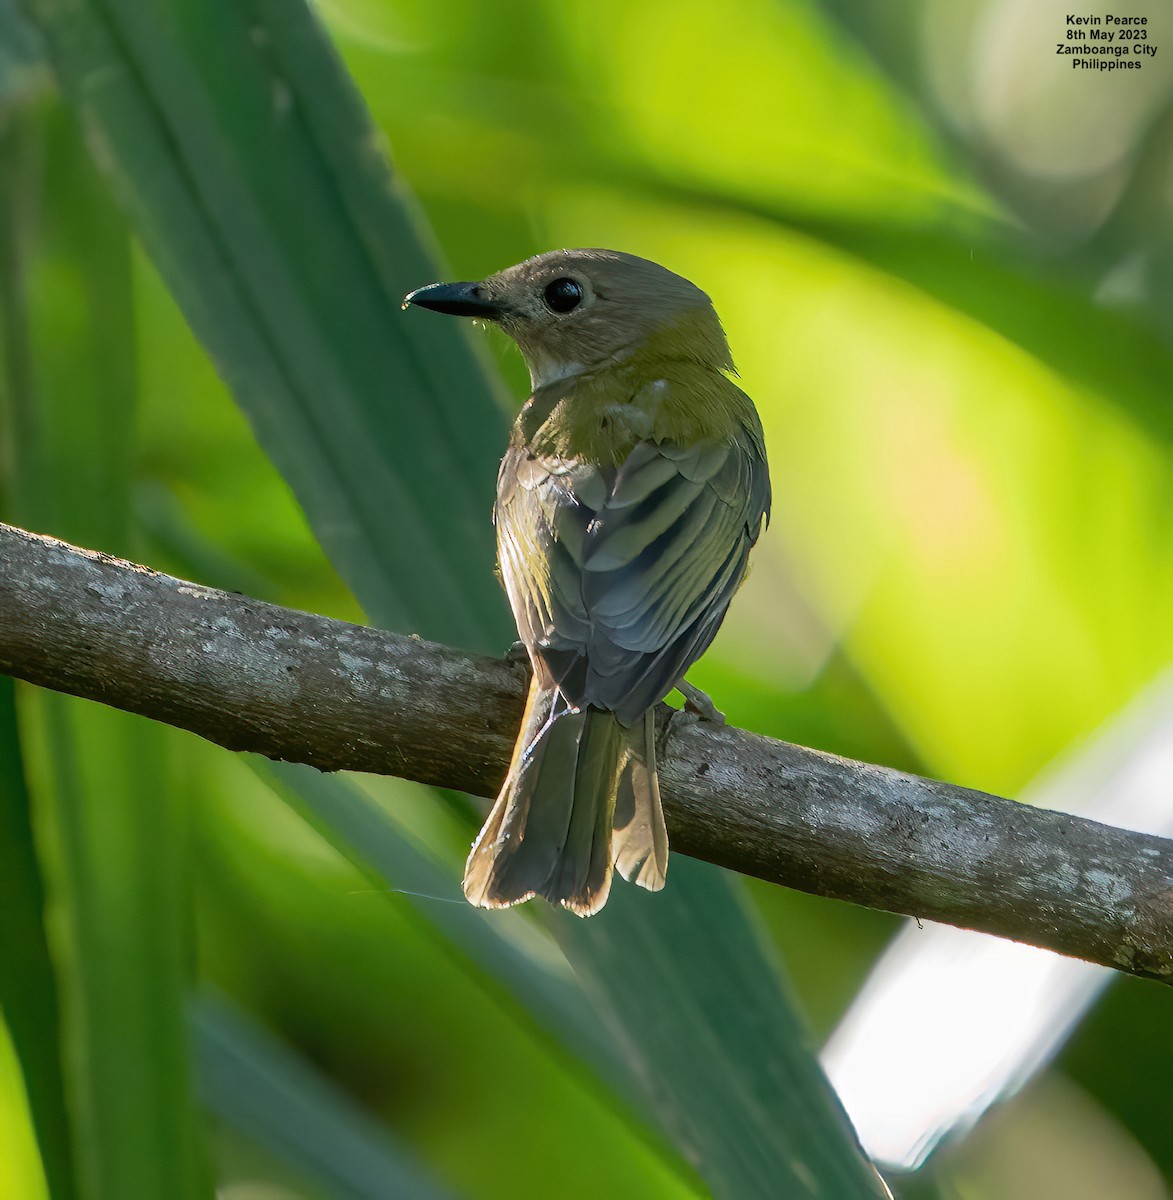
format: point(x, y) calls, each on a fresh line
point(28, 990)
point(1048, 312)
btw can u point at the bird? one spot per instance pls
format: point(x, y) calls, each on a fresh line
point(633, 488)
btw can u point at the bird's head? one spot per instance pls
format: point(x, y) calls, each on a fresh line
point(572, 311)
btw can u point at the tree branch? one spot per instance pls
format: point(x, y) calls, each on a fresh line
point(290, 685)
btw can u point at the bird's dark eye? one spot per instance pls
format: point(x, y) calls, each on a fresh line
point(563, 295)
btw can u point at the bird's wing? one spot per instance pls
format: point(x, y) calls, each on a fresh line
point(620, 578)
point(544, 508)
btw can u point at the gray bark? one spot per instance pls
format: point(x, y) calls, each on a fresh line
point(290, 685)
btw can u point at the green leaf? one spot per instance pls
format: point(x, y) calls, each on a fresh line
point(124, 948)
point(243, 156)
point(21, 55)
point(1045, 297)
point(28, 989)
point(116, 877)
point(355, 824)
point(270, 210)
point(705, 1021)
point(263, 1090)
point(1049, 312)
point(988, 276)
point(723, 1100)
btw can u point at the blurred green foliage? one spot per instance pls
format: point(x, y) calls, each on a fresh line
point(943, 262)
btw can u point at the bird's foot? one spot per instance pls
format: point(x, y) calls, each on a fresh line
point(517, 653)
point(699, 704)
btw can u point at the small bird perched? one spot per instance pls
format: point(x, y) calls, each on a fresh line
point(634, 486)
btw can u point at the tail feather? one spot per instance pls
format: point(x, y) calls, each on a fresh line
point(641, 837)
point(583, 878)
point(549, 832)
point(501, 836)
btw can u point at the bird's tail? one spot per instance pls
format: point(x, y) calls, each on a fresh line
point(550, 831)
point(641, 837)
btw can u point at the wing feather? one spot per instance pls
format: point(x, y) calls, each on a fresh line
point(620, 578)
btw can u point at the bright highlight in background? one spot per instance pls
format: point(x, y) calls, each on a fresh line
point(951, 1021)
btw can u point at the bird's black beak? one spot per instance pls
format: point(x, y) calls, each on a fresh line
point(456, 299)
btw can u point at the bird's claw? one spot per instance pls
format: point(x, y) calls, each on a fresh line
point(517, 653)
point(699, 704)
